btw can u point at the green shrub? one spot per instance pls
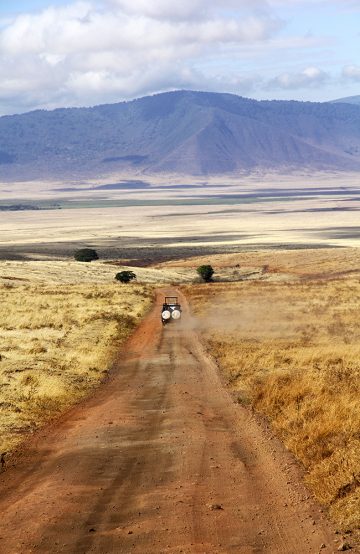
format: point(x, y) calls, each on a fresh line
point(125, 276)
point(206, 272)
point(86, 255)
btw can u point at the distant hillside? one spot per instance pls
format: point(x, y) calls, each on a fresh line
point(183, 132)
point(349, 100)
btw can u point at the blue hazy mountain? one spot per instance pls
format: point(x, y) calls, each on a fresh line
point(348, 100)
point(184, 132)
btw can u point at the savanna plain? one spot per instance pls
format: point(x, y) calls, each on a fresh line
point(280, 318)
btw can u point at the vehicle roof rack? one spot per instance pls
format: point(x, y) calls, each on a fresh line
point(171, 300)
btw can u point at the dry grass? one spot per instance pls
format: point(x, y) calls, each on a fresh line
point(57, 342)
point(320, 262)
point(292, 350)
point(71, 272)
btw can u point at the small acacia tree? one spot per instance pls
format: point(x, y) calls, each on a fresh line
point(86, 255)
point(206, 272)
point(125, 276)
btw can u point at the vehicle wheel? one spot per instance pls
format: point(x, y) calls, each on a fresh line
point(176, 314)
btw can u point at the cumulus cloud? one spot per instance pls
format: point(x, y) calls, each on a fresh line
point(342, 4)
point(96, 51)
point(162, 9)
point(88, 52)
point(307, 78)
point(351, 72)
point(80, 28)
point(186, 9)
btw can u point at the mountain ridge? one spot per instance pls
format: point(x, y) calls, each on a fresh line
point(355, 100)
point(187, 132)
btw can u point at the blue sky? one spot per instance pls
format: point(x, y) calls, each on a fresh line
point(74, 53)
point(23, 6)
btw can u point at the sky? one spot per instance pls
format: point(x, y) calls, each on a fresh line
point(56, 53)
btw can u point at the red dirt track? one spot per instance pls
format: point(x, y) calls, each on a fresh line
point(159, 460)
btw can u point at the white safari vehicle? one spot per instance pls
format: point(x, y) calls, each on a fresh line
point(171, 310)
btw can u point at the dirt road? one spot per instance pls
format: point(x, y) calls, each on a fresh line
point(159, 460)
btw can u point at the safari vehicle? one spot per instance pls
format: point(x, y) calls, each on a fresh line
point(171, 310)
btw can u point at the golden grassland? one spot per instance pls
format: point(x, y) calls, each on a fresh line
point(71, 272)
point(309, 262)
point(57, 341)
point(291, 349)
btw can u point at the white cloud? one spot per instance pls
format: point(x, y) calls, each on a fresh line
point(308, 77)
point(343, 4)
point(96, 51)
point(351, 72)
point(161, 9)
point(184, 9)
point(80, 28)
point(87, 53)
